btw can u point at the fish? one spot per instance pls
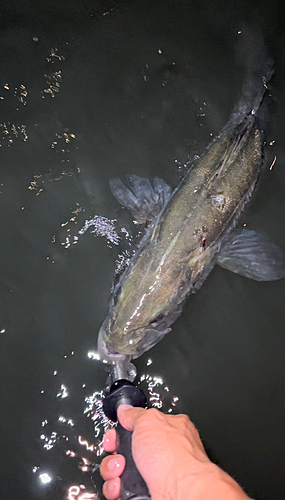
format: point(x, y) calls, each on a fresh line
point(190, 230)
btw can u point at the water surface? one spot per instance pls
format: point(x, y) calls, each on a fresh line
point(92, 90)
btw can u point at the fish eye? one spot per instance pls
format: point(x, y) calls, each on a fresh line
point(157, 319)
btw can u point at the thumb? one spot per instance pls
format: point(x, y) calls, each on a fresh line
point(128, 415)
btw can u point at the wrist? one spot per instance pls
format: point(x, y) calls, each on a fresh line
point(209, 482)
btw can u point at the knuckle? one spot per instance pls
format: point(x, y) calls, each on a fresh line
point(153, 412)
point(155, 416)
point(184, 420)
point(149, 418)
point(148, 414)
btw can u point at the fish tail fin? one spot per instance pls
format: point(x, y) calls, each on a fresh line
point(258, 68)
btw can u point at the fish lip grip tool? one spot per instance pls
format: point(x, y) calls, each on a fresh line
point(121, 390)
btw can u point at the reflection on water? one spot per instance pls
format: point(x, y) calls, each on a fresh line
point(63, 437)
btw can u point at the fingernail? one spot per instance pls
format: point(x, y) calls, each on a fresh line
point(112, 485)
point(109, 436)
point(113, 464)
point(126, 407)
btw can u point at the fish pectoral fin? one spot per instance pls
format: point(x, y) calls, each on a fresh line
point(149, 340)
point(252, 255)
point(144, 199)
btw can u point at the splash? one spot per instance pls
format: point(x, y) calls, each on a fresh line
point(102, 226)
point(98, 226)
point(121, 263)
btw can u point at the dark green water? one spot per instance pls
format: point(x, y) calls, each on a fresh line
point(92, 90)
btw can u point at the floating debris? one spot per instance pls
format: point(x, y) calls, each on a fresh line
point(54, 82)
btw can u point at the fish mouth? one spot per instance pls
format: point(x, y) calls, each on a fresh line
point(113, 347)
point(106, 353)
point(140, 341)
point(109, 350)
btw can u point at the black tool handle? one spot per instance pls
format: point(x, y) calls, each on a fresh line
point(133, 487)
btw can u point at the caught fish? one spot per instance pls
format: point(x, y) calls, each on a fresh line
point(192, 229)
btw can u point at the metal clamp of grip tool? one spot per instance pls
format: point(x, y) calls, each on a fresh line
point(133, 487)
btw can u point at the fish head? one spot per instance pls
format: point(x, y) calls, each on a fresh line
point(137, 320)
point(145, 302)
point(114, 346)
point(134, 324)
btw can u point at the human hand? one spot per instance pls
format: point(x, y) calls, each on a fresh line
point(170, 457)
point(161, 446)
